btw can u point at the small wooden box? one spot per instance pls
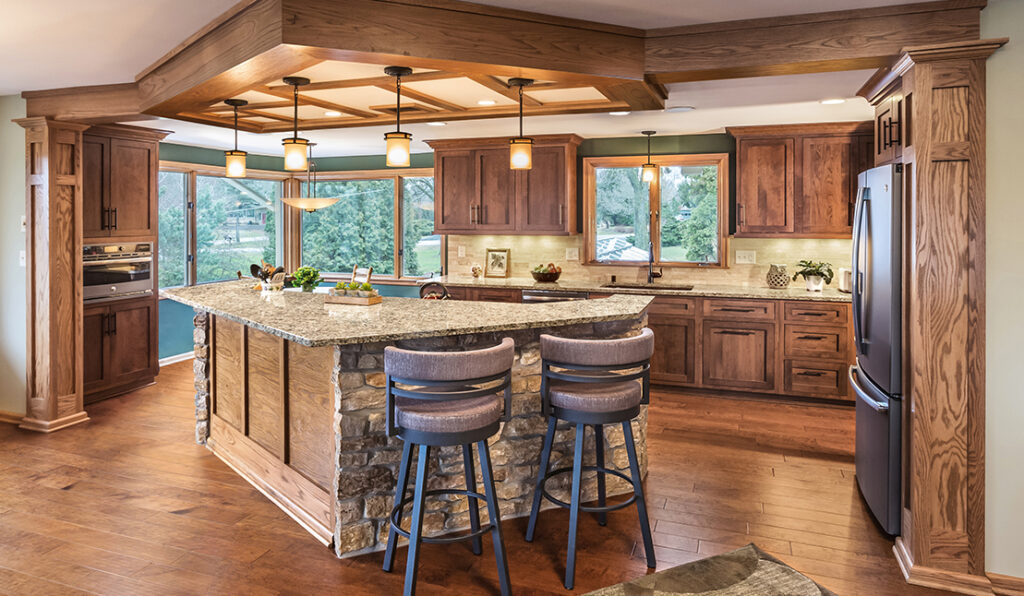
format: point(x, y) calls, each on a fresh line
point(357, 300)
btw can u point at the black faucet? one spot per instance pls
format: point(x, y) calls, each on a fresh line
point(651, 275)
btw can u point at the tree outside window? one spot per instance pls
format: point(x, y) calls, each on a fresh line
point(234, 225)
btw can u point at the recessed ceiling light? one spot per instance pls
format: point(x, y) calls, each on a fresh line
point(332, 113)
point(676, 109)
point(618, 113)
point(832, 101)
point(436, 123)
point(486, 102)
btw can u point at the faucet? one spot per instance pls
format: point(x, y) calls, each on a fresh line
point(651, 275)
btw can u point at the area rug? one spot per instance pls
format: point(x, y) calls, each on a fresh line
point(746, 571)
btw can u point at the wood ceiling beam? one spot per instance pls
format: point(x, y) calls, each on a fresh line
point(819, 42)
point(320, 103)
point(423, 97)
point(211, 119)
point(498, 86)
point(373, 81)
point(97, 104)
point(259, 105)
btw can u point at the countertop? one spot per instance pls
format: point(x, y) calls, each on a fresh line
point(305, 319)
point(795, 291)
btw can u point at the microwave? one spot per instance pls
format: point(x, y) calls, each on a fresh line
point(117, 270)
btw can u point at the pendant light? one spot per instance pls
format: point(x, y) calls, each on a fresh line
point(396, 143)
point(234, 161)
point(294, 147)
point(520, 150)
point(648, 171)
point(310, 202)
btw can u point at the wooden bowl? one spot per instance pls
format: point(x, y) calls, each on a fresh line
point(546, 277)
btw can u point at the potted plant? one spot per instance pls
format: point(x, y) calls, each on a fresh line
point(306, 278)
point(366, 290)
point(352, 288)
point(815, 274)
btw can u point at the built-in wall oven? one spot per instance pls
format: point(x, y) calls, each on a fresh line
point(117, 270)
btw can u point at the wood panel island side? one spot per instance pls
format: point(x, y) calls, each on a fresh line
point(290, 394)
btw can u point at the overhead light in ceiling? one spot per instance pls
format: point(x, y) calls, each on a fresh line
point(234, 161)
point(294, 147)
point(520, 154)
point(832, 101)
point(437, 123)
point(648, 171)
point(396, 149)
point(486, 102)
point(618, 113)
point(332, 113)
point(310, 202)
point(677, 109)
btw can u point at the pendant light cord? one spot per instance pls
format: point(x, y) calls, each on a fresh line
point(236, 129)
point(295, 118)
point(648, 148)
point(520, 111)
point(398, 104)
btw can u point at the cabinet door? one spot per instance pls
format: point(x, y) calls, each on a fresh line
point(454, 191)
point(96, 353)
point(496, 192)
point(133, 170)
point(133, 340)
point(542, 197)
point(95, 185)
point(674, 346)
point(827, 176)
point(457, 293)
point(739, 355)
point(498, 295)
point(765, 197)
point(883, 146)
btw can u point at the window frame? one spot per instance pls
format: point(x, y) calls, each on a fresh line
point(590, 166)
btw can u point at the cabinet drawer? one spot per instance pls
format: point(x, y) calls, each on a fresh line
point(673, 306)
point(456, 293)
point(815, 341)
point(762, 310)
point(816, 312)
point(498, 295)
point(815, 379)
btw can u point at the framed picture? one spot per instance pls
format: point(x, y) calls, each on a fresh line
point(497, 262)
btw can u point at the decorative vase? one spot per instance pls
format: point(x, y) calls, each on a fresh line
point(777, 277)
point(815, 283)
point(476, 270)
point(308, 288)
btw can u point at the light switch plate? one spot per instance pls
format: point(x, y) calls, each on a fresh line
point(24, 223)
point(746, 257)
point(572, 254)
point(21, 259)
point(462, 250)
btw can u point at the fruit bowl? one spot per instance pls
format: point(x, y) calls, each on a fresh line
point(546, 277)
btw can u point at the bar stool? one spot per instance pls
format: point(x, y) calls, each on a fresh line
point(593, 382)
point(437, 399)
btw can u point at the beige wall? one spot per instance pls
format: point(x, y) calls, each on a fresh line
point(12, 241)
point(1004, 515)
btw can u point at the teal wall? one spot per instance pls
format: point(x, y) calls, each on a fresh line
point(12, 242)
point(175, 328)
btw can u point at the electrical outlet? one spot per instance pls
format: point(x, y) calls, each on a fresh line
point(572, 254)
point(746, 257)
point(21, 259)
point(24, 223)
point(462, 250)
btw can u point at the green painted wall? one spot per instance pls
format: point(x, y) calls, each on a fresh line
point(215, 157)
point(12, 242)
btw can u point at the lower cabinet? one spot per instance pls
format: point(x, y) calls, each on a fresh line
point(485, 294)
point(675, 341)
point(120, 346)
point(739, 355)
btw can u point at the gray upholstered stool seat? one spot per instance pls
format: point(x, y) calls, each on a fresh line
point(596, 397)
point(454, 416)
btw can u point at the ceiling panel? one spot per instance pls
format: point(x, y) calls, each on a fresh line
point(462, 91)
point(558, 95)
point(356, 97)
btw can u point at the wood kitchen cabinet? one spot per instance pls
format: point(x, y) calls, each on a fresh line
point(675, 344)
point(476, 192)
point(485, 294)
point(892, 127)
point(121, 340)
point(738, 355)
point(799, 180)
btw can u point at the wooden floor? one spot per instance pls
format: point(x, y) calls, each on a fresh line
point(128, 504)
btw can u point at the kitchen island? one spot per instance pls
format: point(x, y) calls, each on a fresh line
point(290, 394)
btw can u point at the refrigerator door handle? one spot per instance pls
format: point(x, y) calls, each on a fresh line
point(863, 396)
point(858, 275)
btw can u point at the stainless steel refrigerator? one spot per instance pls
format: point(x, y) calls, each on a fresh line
point(877, 307)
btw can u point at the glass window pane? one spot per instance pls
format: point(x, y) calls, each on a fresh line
point(235, 225)
point(689, 214)
point(171, 205)
point(623, 214)
point(357, 230)
point(422, 248)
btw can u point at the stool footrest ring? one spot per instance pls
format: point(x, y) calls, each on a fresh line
point(588, 509)
point(393, 517)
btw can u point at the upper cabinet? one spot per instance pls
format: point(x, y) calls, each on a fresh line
point(799, 180)
point(892, 127)
point(476, 192)
point(119, 181)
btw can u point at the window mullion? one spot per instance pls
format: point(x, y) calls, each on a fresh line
point(398, 235)
point(654, 200)
point(190, 231)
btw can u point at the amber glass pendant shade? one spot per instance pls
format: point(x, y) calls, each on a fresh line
point(396, 149)
point(295, 154)
point(520, 153)
point(310, 204)
point(648, 172)
point(234, 161)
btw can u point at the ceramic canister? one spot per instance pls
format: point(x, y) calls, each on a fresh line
point(777, 276)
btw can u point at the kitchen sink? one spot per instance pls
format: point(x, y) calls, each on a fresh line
point(644, 286)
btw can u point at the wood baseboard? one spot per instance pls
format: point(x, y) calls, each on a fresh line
point(1006, 585)
point(940, 579)
point(178, 358)
point(48, 426)
point(10, 417)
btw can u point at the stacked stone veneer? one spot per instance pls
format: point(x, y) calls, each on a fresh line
point(368, 459)
point(201, 373)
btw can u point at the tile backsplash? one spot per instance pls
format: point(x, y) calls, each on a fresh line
point(530, 251)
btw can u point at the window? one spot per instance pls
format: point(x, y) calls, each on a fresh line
point(680, 217)
point(172, 242)
point(422, 248)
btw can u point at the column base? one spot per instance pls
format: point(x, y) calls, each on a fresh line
point(48, 426)
point(940, 579)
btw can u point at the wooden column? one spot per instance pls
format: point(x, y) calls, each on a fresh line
point(53, 173)
point(943, 539)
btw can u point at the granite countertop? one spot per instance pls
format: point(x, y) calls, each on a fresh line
point(796, 290)
point(306, 319)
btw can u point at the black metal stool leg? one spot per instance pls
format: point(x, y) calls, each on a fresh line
point(574, 509)
point(400, 487)
point(474, 506)
point(638, 488)
point(416, 523)
point(602, 518)
point(542, 471)
point(495, 517)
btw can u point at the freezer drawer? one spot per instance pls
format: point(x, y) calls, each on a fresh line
point(878, 450)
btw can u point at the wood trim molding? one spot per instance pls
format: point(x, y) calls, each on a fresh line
point(10, 417)
point(129, 132)
point(476, 143)
point(785, 130)
point(940, 579)
point(1007, 585)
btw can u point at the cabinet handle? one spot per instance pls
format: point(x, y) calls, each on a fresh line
point(115, 220)
point(886, 124)
point(733, 309)
point(895, 133)
point(113, 324)
point(810, 313)
point(561, 215)
point(106, 325)
point(810, 373)
point(743, 214)
point(105, 220)
point(730, 332)
point(472, 214)
point(811, 337)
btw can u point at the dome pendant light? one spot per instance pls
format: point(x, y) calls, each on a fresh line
point(294, 147)
point(396, 144)
point(310, 202)
point(648, 171)
point(520, 149)
point(234, 161)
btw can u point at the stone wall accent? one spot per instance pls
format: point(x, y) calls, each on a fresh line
point(368, 459)
point(201, 372)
